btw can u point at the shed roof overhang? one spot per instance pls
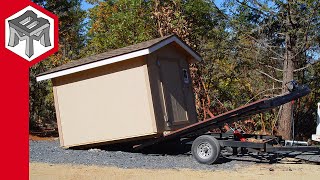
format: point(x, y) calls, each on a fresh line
point(57, 72)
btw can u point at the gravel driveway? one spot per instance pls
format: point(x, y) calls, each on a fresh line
point(51, 152)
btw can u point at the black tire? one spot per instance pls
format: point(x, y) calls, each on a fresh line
point(206, 149)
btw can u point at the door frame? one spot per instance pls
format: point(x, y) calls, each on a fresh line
point(165, 94)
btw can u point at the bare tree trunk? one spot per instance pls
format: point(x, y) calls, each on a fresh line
point(285, 121)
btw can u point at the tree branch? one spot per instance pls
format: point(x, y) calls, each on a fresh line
point(263, 92)
point(275, 79)
point(309, 65)
point(220, 12)
point(266, 45)
point(253, 8)
point(277, 69)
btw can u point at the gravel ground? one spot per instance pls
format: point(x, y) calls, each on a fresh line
point(309, 157)
point(51, 152)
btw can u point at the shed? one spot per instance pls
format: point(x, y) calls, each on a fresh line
point(139, 91)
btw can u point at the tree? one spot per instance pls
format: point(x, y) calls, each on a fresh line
point(115, 24)
point(251, 49)
point(71, 40)
point(284, 33)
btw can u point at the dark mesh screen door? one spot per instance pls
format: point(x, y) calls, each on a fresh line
point(175, 105)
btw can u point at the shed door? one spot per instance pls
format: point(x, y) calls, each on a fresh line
point(174, 98)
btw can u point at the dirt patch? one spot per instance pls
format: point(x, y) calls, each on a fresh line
point(42, 171)
point(38, 138)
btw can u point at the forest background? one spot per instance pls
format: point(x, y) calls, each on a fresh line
point(251, 49)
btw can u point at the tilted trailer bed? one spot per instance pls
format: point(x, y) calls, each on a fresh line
point(206, 146)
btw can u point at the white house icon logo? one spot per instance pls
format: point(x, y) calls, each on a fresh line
point(29, 33)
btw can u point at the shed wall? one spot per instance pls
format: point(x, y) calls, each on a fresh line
point(104, 104)
point(174, 53)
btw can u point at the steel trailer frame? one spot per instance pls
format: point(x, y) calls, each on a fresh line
point(200, 131)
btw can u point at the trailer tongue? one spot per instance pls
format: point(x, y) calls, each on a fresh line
point(206, 146)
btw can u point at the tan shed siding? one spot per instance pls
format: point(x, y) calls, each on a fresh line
point(155, 85)
point(56, 104)
point(106, 103)
point(150, 100)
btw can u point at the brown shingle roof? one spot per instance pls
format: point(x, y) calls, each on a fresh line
point(109, 54)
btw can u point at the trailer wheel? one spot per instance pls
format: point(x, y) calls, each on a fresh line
point(206, 149)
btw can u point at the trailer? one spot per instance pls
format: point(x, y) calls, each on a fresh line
point(206, 146)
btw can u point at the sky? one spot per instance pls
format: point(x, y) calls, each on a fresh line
point(85, 5)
